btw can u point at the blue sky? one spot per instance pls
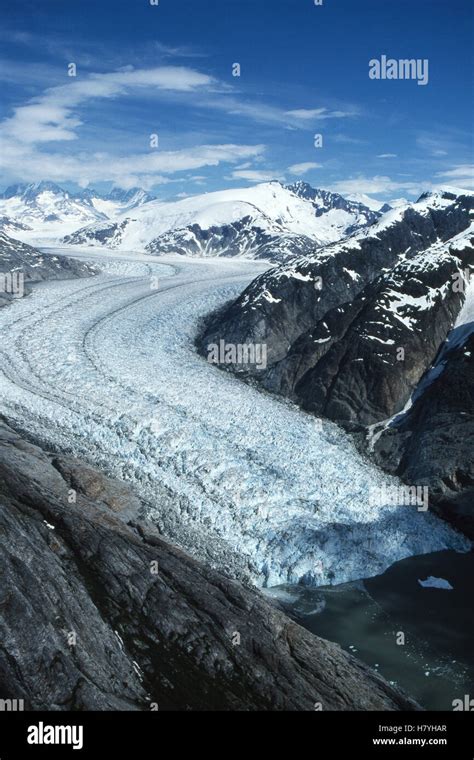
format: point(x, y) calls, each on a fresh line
point(167, 70)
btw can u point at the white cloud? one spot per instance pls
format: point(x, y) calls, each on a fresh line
point(462, 176)
point(466, 183)
point(59, 113)
point(145, 169)
point(51, 118)
point(253, 175)
point(387, 155)
point(463, 171)
point(375, 185)
point(319, 114)
point(303, 168)
point(268, 114)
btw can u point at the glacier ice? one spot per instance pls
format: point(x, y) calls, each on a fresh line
point(106, 369)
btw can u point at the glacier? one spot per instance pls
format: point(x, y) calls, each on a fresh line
point(106, 369)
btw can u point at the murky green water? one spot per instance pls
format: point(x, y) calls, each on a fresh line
point(421, 639)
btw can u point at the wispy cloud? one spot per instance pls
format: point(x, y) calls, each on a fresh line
point(461, 176)
point(465, 170)
point(432, 145)
point(387, 155)
point(264, 113)
point(377, 185)
point(347, 140)
point(50, 117)
point(136, 169)
point(59, 114)
point(54, 117)
point(89, 54)
point(319, 114)
point(300, 169)
point(255, 175)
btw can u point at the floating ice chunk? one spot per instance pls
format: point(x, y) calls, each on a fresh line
point(432, 582)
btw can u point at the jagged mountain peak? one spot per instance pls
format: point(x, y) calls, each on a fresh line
point(136, 194)
point(433, 194)
point(444, 194)
point(31, 190)
point(324, 200)
point(44, 210)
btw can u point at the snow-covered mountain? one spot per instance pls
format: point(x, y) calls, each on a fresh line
point(325, 201)
point(45, 210)
point(366, 200)
point(118, 201)
point(269, 220)
point(334, 322)
point(377, 205)
point(11, 226)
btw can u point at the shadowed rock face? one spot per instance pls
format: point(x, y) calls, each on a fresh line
point(381, 343)
point(334, 324)
point(242, 238)
point(99, 612)
point(20, 258)
point(433, 443)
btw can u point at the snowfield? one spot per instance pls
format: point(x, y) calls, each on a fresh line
point(105, 368)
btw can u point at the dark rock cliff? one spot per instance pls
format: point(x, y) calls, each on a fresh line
point(333, 324)
point(101, 613)
point(17, 258)
point(433, 443)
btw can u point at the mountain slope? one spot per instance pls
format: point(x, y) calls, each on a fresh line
point(324, 201)
point(10, 226)
point(366, 200)
point(117, 201)
point(432, 442)
point(333, 323)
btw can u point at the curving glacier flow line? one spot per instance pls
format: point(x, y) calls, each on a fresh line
point(106, 369)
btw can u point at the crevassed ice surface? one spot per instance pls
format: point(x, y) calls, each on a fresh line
point(105, 368)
